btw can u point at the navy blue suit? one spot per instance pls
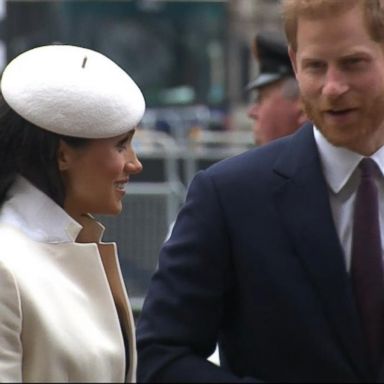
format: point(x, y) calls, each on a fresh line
point(254, 262)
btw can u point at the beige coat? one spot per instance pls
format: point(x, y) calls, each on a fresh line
point(61, 306)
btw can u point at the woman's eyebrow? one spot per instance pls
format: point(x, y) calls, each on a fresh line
point(127, 137)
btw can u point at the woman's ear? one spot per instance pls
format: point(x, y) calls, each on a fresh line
point(64, 156)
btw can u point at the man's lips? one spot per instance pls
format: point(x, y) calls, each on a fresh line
point(340, 116)
point(339, 111)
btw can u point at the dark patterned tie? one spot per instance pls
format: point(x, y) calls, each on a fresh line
point(366, 268)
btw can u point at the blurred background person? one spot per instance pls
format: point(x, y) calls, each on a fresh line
point(276, 110)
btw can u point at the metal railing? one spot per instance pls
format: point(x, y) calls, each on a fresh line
point(153, 200)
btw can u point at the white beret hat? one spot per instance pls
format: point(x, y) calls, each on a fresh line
point(72, 91)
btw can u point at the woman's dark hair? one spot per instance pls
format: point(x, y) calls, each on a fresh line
point(30, 151)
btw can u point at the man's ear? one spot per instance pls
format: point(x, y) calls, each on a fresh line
point(302, 115)
point(292, 56)
point(64, 156)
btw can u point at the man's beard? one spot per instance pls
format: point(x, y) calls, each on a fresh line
point(370, 119)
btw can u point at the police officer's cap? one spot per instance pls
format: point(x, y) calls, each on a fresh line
point(271, 52)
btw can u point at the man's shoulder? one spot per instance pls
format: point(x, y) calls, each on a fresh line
point(265, 156)
point(257, 158)
point(259, 163)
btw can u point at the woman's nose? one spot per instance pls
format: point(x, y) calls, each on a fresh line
point(133, 165)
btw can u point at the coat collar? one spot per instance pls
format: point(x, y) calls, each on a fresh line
point(301, 197)
point(41, 219)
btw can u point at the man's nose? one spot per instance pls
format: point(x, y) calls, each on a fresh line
point(253, 111)
point(335, 83)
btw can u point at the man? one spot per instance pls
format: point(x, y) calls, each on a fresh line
point(263, 257)
point(277, 109)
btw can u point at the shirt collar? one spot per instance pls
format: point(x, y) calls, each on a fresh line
point(339, 162)
point(38, 216)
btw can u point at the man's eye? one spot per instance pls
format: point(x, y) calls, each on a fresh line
point(314, 65)
point(256, 97)
point(355, 62)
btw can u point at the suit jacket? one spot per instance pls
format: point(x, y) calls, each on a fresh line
point(63, 304)
point(254, 261)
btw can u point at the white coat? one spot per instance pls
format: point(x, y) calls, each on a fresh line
point(63, 304)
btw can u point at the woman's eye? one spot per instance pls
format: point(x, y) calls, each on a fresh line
point(122, 147)
point(125, 143)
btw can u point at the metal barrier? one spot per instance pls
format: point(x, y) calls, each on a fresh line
point(139, 232)
point(178, 121)
point(149, 207)
point(152, 201)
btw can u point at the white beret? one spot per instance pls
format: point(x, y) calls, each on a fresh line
point(72, 91)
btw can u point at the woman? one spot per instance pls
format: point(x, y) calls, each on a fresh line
point(67, 119)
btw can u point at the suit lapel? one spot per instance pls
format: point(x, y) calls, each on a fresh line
point(301, 197)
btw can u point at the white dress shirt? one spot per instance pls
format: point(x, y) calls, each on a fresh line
point(343, 177)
